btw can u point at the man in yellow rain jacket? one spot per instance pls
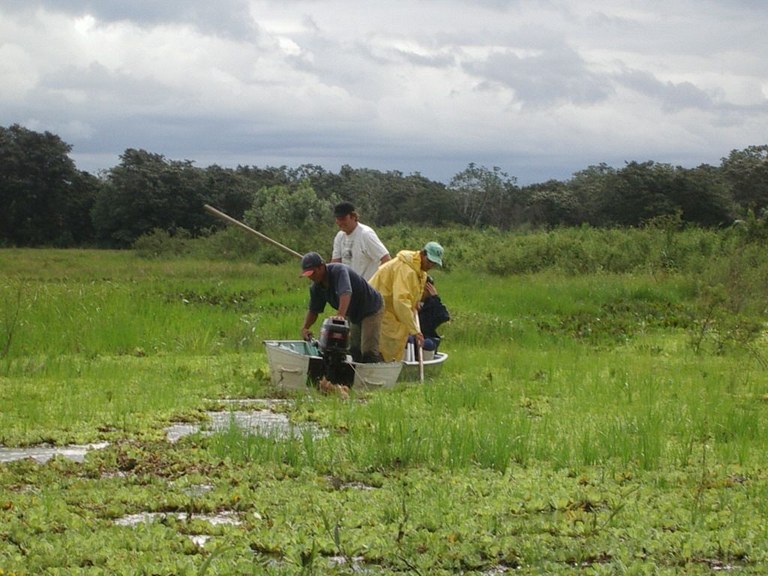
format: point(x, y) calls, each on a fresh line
point(401, 283)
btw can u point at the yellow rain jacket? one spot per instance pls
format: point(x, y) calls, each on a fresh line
point(401, 283)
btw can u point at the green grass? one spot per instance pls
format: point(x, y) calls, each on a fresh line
point(595, 423)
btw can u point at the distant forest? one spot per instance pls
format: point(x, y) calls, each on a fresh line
point(46, 201)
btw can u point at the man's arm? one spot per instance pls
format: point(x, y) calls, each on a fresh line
point(342, 285)
point(344, 300)
point(373, 247)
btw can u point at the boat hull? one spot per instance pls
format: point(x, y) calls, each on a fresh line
point(296, 364)
point(432, 368)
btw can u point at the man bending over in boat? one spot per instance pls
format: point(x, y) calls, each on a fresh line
point(353, 298)
point(401, 283)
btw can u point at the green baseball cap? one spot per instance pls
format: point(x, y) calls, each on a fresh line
point(434, 252)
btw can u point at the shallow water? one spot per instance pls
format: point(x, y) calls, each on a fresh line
point(260, 421)
point(146, 517)
point(42, 454)
point(229, 518)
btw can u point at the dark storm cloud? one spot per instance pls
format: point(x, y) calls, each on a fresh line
point(102, 86)
point(547, 78)
point(413, 85)
point(673, 96)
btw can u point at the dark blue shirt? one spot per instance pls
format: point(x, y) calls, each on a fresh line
point(341, 279)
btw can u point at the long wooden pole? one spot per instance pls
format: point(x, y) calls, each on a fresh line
point(220, 214)
point(421, 351)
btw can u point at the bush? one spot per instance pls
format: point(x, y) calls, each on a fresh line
point(160, 243)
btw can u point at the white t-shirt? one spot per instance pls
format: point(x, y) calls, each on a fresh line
point(361, 250)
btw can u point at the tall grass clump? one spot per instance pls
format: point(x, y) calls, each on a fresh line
point(73, 399)
point(571, 412)
point(131, 306)
point(557, 365)
point(588, 251)
point(291, 450)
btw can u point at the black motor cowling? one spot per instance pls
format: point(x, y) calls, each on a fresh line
point(334, 346)
point(334, 336)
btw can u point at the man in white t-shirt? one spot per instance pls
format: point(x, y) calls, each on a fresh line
point(356, 244)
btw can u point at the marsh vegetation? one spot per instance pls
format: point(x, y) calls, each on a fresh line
point(603, 411)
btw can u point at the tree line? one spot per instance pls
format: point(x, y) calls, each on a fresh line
point(46, 201)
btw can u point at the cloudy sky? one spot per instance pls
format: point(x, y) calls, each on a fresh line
point(538, 88)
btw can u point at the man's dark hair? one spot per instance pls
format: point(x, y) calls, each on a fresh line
point(343, 208)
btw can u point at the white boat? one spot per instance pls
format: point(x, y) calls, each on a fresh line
point(295, 364)
point(432, 368)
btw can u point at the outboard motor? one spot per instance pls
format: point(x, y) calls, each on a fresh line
point(334, 347)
